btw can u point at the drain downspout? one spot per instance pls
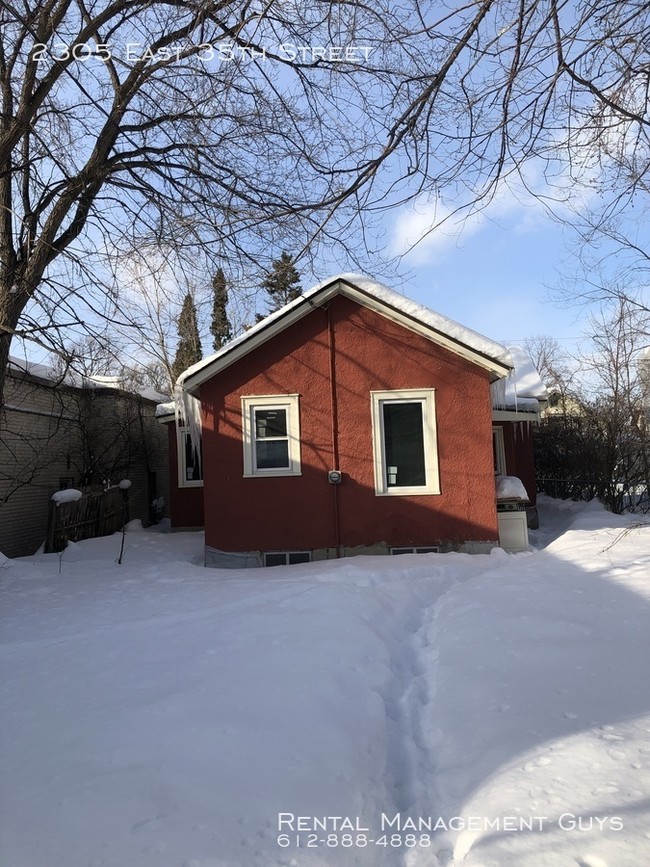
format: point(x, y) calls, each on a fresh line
point(335, 427)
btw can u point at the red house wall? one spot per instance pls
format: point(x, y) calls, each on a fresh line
point(185, 504)
point(520, 455)
point(371, 353)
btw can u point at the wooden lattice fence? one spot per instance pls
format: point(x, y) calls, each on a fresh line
point(97, 513)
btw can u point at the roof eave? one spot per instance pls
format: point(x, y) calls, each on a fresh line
point(495, 366)
point(265, 331)
point(304, 305)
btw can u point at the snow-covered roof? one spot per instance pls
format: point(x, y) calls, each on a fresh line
point(525, 380)
point(522, 390)
point(77, 380)
point(166, 408)
point(32, 368)
point(148, 393)
point(368, 292)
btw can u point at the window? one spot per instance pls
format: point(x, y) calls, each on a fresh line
point(428, 549)
point(190, 471)
point(271, 435)
point(404, 438)
point(286, 558)
point(499, 451)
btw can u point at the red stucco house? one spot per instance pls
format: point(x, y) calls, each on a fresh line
point(351, 421)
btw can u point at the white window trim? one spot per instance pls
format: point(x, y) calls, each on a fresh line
point(288, 402)
point(427, 397)
point(416, 549)
point(286, 555)
point(181, 431)
point(500, 450)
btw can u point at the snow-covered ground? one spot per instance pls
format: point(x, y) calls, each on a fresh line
point(158, 714)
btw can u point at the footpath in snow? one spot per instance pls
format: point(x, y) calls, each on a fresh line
point(158, 714)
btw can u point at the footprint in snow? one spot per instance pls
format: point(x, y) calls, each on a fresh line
point(537, 763)
point(591, 861)
point(611, 789)
point(147, 825)
point(616, 754)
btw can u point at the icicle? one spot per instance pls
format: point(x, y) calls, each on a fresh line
point(498, 390)
point(188, 414)
point(501, 391)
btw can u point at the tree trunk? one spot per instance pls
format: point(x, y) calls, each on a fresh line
point(9, 315)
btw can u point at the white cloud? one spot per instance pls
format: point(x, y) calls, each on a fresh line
point(427, 229)
point(414, 233)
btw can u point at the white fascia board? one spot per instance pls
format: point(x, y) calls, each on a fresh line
point(195, 376)
point(512, 415)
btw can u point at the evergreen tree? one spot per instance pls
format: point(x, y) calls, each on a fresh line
point(282, 283)
point(220, 326)
point(188, 351)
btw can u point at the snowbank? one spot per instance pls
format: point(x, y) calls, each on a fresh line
point(163, 715)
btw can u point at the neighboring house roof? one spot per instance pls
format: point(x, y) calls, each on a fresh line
point(72, 379)
point(166, 410)
point(469, 344)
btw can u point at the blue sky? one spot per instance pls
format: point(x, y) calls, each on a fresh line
point(501, 271)
point(495, 275)
point(495, 271)
point(498, 271)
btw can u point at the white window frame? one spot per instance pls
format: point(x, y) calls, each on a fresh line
point(288, 402)
point(498, 445)
point(287, 558)
point(426, 397)
point(181, 432)
point(417, 549)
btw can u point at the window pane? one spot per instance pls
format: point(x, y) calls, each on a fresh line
point(404, 444)
point(192, 461)
point(498, 451)
point(270, 423)
point(275, 559)
point(299, 557)
point(272, 454)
